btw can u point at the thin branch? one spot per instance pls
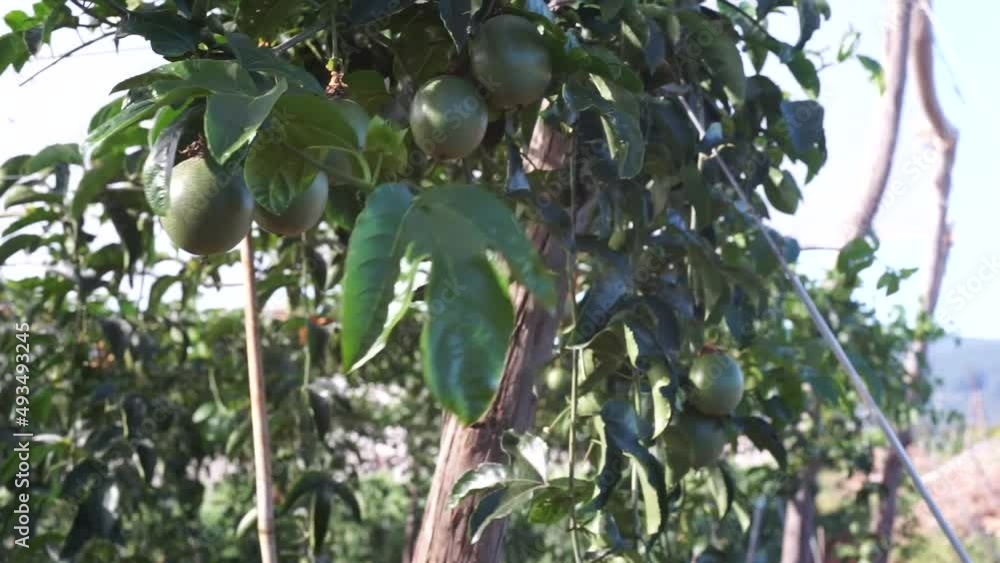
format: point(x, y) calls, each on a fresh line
point(91, 13)
point(897, 53)
point(67, 54)
point(301, 36)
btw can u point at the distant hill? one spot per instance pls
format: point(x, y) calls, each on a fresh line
point(962, 366)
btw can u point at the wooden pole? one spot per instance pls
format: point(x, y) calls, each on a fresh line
point(258, 411)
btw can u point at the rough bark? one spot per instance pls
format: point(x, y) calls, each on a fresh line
point(894, 68)
point(946, 137)
point(443, 534)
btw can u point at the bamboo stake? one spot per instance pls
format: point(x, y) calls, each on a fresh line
point(258, 411)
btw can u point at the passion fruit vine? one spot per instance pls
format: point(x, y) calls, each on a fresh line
point(208, 213)
point(302, 214)
point(716, 384)
point(510, 60)
point(448, 118)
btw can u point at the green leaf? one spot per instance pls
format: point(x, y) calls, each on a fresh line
point(856, 256)
point(321, 509)
point(13, 52)
point(874, 69)
point(621, 128)
point(107, 111)
point(783, 191)
point(194, 76)
point(168, 34)
point(464, 342)
point(464, 220)
point(805, 73)
point(385, 147)
point(707, 41)
point(231, 120)
point(263, 60)
point(500, 504)
point(284, 158)
point(53, 155)
point(11, 171)
point(169, 126)
point(160, 287)
point(307, 483)
point(367, 88)
point(264, 18)
point(848, 45)
point(764, 437)
point(723, 489)
point(22, 195)
point(663, 407)
point(808, 20)
point(623, 431)
point(375, 249)
point(527, 451)
point(246, 523)
point(129, 116)
point(39, 215)
point(486, 477)
point(398, 307)
point(22, 243)
point(94, 181)
point(365, 11)
point(805, 124)
point(456, 15)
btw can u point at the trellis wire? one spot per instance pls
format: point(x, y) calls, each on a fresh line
point(838, 351)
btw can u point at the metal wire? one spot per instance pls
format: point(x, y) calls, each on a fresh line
point(838, 351)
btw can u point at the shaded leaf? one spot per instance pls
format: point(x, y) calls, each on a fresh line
point(231, 120)
point(486, 477)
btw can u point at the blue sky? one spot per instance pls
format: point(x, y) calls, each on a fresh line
point(56, 106)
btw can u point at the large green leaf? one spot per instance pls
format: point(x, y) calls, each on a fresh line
point(464, 341)
point(286, 154)
point(231, 120)
point(500, 504)
point(464, 220)
point(94, 181)
point(376, 247)
point(13, 51)
point(53, 155)
point(622, 432)
point(263, 60)
point(168, 34)
point(707, 41)
point(200, 75)
point(169, 125)
point(23, 243)
point(528, 452)
point(486, 477)
point(264, 18)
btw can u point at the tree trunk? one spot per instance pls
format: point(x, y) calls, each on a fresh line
point(444, 533)
point(800, 520)
point(897, 53)
point(947, 140)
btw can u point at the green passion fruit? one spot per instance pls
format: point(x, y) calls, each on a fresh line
point(448, 118)
point(510, 60)
point(302, 214)
point(716, 383)
point(693, 441)
point(208, 213)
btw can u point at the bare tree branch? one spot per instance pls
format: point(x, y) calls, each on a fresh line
point(897, 53)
